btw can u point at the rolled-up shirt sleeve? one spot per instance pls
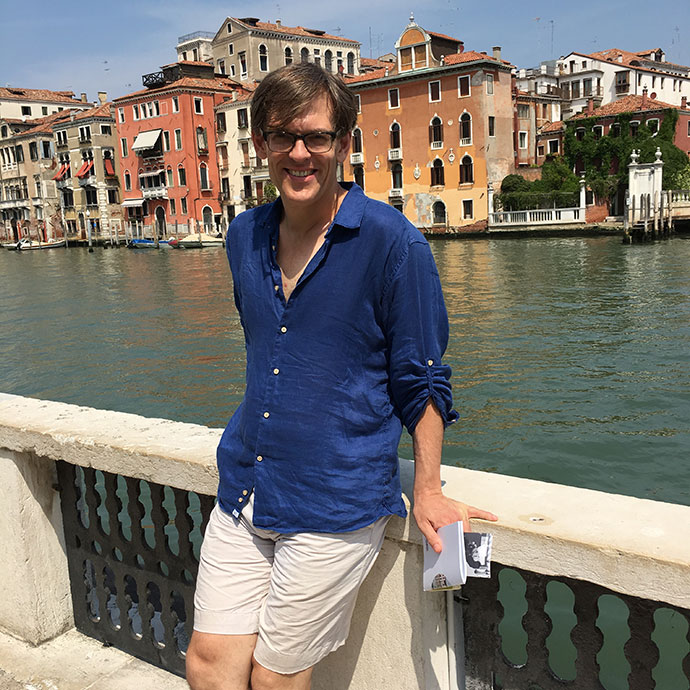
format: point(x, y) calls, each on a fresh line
point(416, 325)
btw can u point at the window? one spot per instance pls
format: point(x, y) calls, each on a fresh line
point(85, 133)
point(615, 129)
point(434, 91)
point(357, 141)
point(106, 129)
point(465, 129)
point(328, 61)
point(586, 87)
point(26, 110)
point(173, 207)
point(522, 140)
point(634, 126)
point(169, 176)
point(358, 174)
point(175, 104)
point(263, 58)
point(580, 133)
point(91, 196)
point(46, 149)
point(395, 136)
point(653, 126)
point(523, 111)
point(198, 106)
point(178, 140)
point(304, 55)
point(19, 153)
point(466, 170)
point(61, 137)
point(397, 176)
point(202, 139)
point(135, 111)
point(37, 185)
point(598, 131)
point(463, 86)
point(358, 98)
point(33, 150)
point(120, 114)
point(242, 56)
point(350, 63)
point(166, 141)
point(393, 98)
point(221, 66)
point(123, 147)
point(231, 49)
point(438, 211)
point(113, 196)
point(489, 83)
point(553, 146)
point(181, 176)
point(44, 109)
point(317, 57)
point(467, 209)
point(436, 133)
point(128, 181)
point(575, 89)
point(288, 56)
point(242, 118)
point(232, 70)
point(540, 150)
point(492, 126)
point(437, 176)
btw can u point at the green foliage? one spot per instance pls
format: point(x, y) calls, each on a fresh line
point(605, 160)
point(270, 192)
point(557, 188)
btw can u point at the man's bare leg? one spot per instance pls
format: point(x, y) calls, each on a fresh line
point(263, 679)
point(220, 662)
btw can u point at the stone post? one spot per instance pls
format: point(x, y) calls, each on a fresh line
point(583, 198)
point(490, 202)
point(36, 603)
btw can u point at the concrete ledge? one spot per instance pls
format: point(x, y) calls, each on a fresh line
point(76, 662)
point(630, 545)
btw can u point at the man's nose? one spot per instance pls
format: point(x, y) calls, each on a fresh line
point(299, 150)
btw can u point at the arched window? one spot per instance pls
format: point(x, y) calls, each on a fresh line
point(357, 141)
point(304, 55)
point(263, 58)
point(128, 180)
point(350, 63)
point(207, 218)
point(466, 169)
point(465, 129)
point(328, 61)
point(436, 133)
point(288, 56)
point(397, 175)
point(203, 176)
point(395, 136)
point(437, 176)
point(439, 212)
point(358, 173)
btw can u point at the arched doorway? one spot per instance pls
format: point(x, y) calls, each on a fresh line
point(160, 221)
point(207, 218)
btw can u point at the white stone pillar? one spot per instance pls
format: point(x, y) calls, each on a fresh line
point(583, 199)
point(490, 202)
point(36, 603)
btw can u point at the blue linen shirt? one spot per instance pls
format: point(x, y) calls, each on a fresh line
point(333, 373)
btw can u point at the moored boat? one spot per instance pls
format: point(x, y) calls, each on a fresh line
point(29, 245)
point(199, 240)
point(151, 244)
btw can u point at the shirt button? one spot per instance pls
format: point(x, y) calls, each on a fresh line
point(276, 288)
point(430, 362)
point(276, 371)
point(266, 415)
point(245, 492)
point(259, 458)
point(239, 500)
point(283, 329)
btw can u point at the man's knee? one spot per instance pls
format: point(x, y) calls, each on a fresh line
point(264, 679)
point(219, 661)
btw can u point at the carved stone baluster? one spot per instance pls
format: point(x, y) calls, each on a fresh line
point(586, 636)
point(537, 624)
point(640, 651)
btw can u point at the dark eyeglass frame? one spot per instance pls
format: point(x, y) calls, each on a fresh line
point(295, 137)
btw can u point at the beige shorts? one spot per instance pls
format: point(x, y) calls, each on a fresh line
point(297, 591)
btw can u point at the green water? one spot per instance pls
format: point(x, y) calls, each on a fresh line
point(570, 356)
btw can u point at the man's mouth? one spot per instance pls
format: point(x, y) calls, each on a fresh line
point(301, 173)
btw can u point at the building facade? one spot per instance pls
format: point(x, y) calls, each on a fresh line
point(435, 127)
point(167, 150)
point(87, 176)
point(31, 104)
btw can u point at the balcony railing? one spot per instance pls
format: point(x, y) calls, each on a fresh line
point(120, 548)
point(155, 192)
point(356, 158)
point(88, 181)
point(395, 154)
point(153, 79)
point(435, 145)
point(195, 34)
point(395, 193)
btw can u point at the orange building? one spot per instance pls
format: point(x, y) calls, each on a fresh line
point(435, 127)
point(167, 150)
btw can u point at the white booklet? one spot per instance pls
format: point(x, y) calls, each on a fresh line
point(463, 555)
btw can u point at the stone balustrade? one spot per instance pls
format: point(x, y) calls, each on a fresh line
point(401, 637)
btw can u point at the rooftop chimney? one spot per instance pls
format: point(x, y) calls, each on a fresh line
point(102, 97)
point(83, 97)
point(497, 52)
point(684, 102)
point(590, 106)
point(644, 97)
point(278, 24)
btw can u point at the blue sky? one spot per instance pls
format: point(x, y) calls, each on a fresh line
point(108, 46)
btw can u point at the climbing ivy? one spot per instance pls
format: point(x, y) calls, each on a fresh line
point(557, 188)
point(605, 159)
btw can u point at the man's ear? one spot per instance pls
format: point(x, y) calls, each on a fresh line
point(342, 147)
point(259, 145)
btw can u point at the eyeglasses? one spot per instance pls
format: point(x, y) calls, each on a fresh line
point(279, 141)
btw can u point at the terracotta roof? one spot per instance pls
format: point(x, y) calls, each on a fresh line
point(372, 75)
point(217, 83)
point(41, 95)
point(372, 63)
point(44, 125)
point(293, 30)
point(627, 104)
point(201, 63)
point(444, 37)
point(612, 55)
point(471, 56)
point(100, 111)
point(557, 126)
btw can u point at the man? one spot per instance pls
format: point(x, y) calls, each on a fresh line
point(345, 327)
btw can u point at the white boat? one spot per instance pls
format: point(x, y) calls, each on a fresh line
point(197, 240)
point(29, 245)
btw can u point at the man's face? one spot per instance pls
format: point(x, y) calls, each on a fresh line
point(301, 177)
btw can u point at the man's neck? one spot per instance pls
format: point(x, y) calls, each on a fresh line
point(301, 222)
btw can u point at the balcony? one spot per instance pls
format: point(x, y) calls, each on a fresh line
point(395, 154)
point(61, 145)
point(436, 145)
point(88, 181)
point(356, 158)
point(84, 138)
point(64, 184)
point(395, 193)
point(153, 79)
point(611, 563)
point(155, 193)
point(466, 141)
point(195, 34)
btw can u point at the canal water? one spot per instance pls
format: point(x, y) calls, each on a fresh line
point(570, 356)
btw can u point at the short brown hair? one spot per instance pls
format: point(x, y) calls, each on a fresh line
point(284, 94)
